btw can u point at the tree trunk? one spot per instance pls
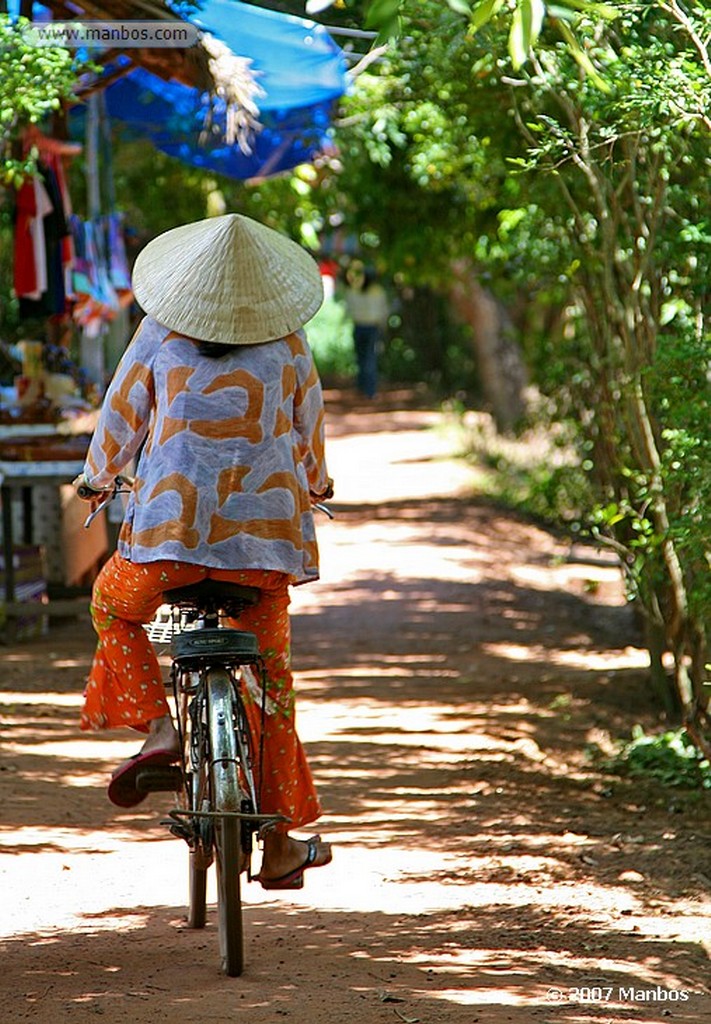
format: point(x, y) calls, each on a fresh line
point(500, 362)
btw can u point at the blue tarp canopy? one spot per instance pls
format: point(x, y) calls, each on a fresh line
point(297, 64)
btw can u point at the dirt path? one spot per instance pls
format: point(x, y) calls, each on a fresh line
point(452, 665)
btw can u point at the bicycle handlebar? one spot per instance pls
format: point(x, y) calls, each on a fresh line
point(320, 507)
point(121, 485)
point(86, 492)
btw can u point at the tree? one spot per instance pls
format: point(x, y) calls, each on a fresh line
point(415, 187)
point(581, 184)
point(33, 83)
point(632, 169)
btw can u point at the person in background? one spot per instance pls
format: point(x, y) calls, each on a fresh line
point(218, 397)
point(367, 305)
point(329, 275)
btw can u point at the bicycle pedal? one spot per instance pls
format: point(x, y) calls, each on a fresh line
point(159, 779)
point(180, 831)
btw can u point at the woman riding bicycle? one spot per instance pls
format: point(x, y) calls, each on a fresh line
point(218, 397)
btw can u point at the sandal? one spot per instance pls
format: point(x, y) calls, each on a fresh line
point(122, 788)
point(295, 879)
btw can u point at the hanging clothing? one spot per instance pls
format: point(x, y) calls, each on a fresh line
point(24, 267)
point(81, 277)
point(118, 261)
point(54, 161)
point(32, 205)
point(100, 279)
point(49, 298)
point(45, 207)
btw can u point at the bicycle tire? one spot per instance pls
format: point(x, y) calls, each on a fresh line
point(196, 793)
point(226, 798)
point(200, 854)
point(197, 907)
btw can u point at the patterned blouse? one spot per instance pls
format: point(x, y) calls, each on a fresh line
point(233, 445)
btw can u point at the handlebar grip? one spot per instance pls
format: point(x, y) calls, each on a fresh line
point(323, 495)
point(86, 492)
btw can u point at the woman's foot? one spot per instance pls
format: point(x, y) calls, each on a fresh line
point(162, 735)
point(285, 859)
point(160, 750)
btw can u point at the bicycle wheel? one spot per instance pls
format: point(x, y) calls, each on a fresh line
point(197, 907)
point(226, 799)
point(201, 851)
point(197, 798)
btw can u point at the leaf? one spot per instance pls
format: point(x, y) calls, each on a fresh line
point(484, 12)
point(593, 8)
point(408, 1020)
point(582, 58)
point(557, 11)
point(316, 6)
point(388, 997)
point(538, 13)
point(309, 236)
point(381, 13)
point(525, 30)
point(460, 6)
point(520, 34)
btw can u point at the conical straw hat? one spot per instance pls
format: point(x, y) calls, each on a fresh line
point(227, 279)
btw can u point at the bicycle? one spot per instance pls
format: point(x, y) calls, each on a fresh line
point(219, 815)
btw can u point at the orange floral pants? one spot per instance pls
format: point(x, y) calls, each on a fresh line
point(125, 685)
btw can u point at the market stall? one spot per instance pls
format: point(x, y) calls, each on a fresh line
point(253, 98)
point(66, 289)
point(34, 468)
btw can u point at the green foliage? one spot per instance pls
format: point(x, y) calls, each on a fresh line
point(524, 19)
point(680, 386)
point(632, 167)
point(9, 306)
point(156, 192)
point(537, 473)
point(552, 494)
point(330, 335)
point(33, 82)
point(679, 389)
point(670, 759)
point(585, 209)
point(427, 345)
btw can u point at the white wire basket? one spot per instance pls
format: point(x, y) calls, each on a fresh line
point(163, 626)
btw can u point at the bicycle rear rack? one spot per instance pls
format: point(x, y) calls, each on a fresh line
point(181, 823)
point(263, 819)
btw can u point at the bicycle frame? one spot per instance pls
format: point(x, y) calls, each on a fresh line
point(221, 814)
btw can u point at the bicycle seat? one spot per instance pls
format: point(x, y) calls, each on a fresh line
point(213, 592)
point(228, 645)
